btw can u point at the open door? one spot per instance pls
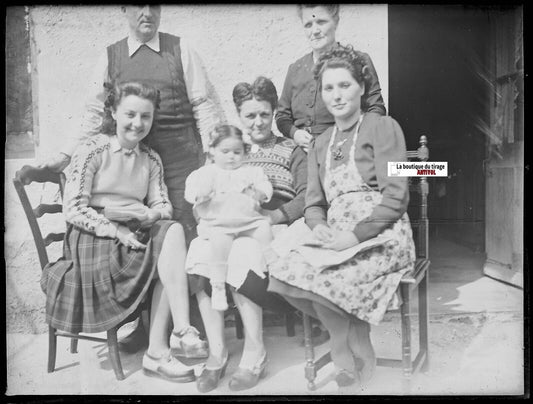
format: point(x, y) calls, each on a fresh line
point(504, 166)
point(456, 75)
point(437, 60)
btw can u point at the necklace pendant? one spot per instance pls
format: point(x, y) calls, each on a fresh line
point(337, 154)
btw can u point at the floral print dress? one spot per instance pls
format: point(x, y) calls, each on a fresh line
point(365, 285)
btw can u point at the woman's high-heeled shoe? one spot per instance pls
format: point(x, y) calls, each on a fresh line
point(209, 378)
point(244, 379)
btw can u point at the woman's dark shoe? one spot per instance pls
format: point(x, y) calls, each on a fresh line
point(209, 378)
point(244, 379)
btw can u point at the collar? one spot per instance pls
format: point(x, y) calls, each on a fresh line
point(116, 147)
point(134, 44)
point(316, 59)
point(352, 127)
point(268, 144)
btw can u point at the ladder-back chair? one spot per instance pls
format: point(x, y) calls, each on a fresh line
point(24, 177)
point(417, 280)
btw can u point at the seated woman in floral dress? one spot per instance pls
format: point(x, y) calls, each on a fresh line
point(350, 199)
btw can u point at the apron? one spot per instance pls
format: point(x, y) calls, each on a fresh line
point(364, 285)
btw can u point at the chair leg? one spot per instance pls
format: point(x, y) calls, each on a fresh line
point(289, 324)
point(114, 356)
point(423, 320)
point(52, 349)
point(405, 311)
point(310, 367)
point(74, 345)
point(238, 325)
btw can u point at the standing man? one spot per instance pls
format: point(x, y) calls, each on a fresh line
point(183, 122)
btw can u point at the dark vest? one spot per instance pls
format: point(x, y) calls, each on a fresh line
point(162, 70)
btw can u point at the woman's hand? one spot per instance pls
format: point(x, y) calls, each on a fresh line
point(273, 216)
point(302, 139)
point(128, 238)
point(152, 216)
point(323, 233)
point(342, 240)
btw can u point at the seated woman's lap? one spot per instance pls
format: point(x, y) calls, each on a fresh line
point(246, 272)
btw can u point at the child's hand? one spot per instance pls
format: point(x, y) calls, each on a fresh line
point(249, 190)
point(253, 193)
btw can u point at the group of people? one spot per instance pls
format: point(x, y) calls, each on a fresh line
point(164, 198)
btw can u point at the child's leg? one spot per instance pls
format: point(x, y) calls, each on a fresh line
point(263, 234)
point(218, 268)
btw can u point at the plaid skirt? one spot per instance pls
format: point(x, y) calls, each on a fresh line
point(99, 282)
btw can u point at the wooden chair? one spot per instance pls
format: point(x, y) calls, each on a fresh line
point(25, 176)
point(417, 280)
point(290, 320)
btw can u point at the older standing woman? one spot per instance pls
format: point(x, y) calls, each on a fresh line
point(350, 199)
point(286, 166)
point(302, 113)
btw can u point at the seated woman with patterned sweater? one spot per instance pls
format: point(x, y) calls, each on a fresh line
point(285, 164)
point(107, 265)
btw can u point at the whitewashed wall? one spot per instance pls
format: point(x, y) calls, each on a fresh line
point(236, 42)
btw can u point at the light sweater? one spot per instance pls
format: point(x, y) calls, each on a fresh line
point(103, 174)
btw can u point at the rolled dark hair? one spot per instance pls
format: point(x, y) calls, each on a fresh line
point(225, 131)
point(115, 94)
point(262, 89)
point(332, 9)
point(343, 57)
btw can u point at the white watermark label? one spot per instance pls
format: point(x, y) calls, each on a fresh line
point(418, 169)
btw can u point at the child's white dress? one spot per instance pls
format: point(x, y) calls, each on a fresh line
point(227, 209)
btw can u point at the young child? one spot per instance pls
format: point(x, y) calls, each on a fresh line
point(227, 197)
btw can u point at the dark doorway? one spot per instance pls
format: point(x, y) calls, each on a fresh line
point(438, 57)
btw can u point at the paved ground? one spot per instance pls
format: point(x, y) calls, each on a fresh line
point(476, 345)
